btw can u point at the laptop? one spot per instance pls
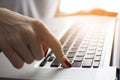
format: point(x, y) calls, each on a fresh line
point(90, 42)
point(91, 47)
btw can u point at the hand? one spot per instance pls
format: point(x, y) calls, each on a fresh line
point(24, 39)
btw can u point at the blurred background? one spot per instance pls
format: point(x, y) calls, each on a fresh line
point(52, 8)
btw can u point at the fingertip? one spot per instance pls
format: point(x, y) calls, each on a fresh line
point(18, 66)
point(68, 64)
point(65, 62)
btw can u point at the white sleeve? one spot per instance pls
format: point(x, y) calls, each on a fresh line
point(25, 7)
point(38, 9)
point(14, 5)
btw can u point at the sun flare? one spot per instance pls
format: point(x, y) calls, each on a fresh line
point(70, 6)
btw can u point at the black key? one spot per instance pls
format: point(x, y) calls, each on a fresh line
point(96, 64)
point(51, 58)
point(45, 60)
point(76, 64)
point(50, 54)
point(43, 63)
point(63, 66)
point(55, 63)
point(87, 63)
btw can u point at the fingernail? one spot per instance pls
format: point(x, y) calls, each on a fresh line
point(68, 63)
point(46, 52)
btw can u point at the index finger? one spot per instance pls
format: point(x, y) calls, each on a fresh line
point(53, 43)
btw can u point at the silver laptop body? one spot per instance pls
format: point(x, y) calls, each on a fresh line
point(92, 59)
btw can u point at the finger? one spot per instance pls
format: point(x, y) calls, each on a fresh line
point(45, 48)
point(53, 43)
point(33, 43)
point(21, 48)
point(13, 57)
point(36, 50)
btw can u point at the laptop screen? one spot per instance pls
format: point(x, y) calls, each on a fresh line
point(72, 6)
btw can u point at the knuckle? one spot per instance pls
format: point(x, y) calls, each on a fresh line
point(38, 24)
point(29, 61)
point(39, 57)
point(14, 39)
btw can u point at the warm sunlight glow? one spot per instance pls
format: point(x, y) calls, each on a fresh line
point(70, 6)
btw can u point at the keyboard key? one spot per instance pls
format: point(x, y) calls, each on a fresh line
point(96, 64)
point(82, 50)
point(55, 63)
point(97, 58)
point(70, 59)
point(45, 60)
point(92, 48)
point(73, 50)
point(78, 41)
point(84, 46)
point(70, 55)
point(73, 37)
point(88, 36)
point(66, 47)
point(43, 63)
point(70, 40)
point(65, 51)
point(50, 58)
point(95, 40)
point(78, 59)
point(80, 54)
point(98, 53)
point(76, 64)
point(86, 42)
point(101, 44)
point(89, 56)
point(68, 43)
point(93, 44)
point(87, 63)
point(76, 45)
point(91, 51)
point(100, 48)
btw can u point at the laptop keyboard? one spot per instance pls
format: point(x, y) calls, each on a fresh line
point(82, 46)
